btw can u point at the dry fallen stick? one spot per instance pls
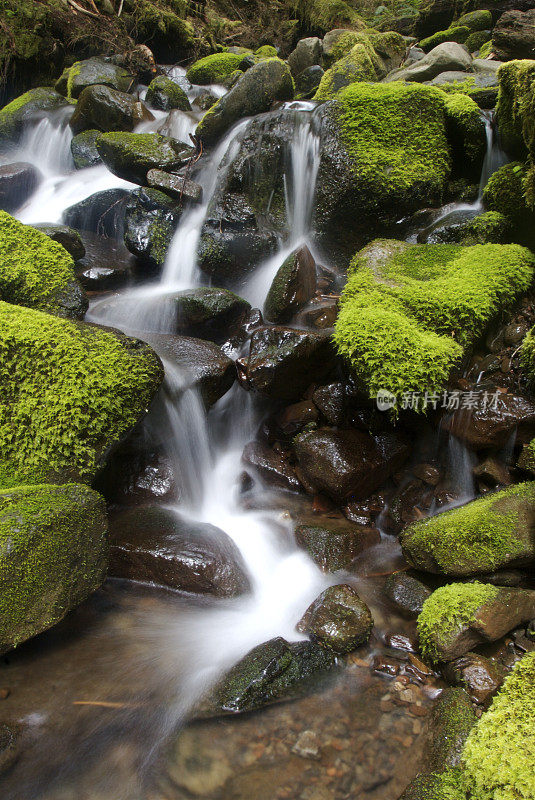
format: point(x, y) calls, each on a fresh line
point(103, 704)
point(82, 10)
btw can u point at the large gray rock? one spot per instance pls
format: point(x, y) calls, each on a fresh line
point(18, 182)
point(254, 93)
point(338, 619)
point(53, 555)
point(105, 109)
point(156, 545)
point(514, 35)
point(308, 53)
point(132, 155)
point(349, 462)
point(90, 72)
point(446, 57)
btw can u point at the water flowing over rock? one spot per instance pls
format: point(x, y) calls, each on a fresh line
point(209, 313)
point(272, 467)
point(491, 424)
point(150, 220)
point(17, 183)
point(156, 545)
point(26, 108)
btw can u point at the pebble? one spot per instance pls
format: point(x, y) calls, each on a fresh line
point(307, 745)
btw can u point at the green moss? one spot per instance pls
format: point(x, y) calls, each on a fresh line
point(53, 554)
point(457, 33)
point(526, 460)
point(322, 16)
point(266, 51)
point(163, 93)
point(164, 30)
point(358, 65)
point(214, 68)
point(527, 357)
point(506, 193)
point(499, 754)
point(478, 20)
point(490, 227)
point(36, 271)
point(466, 128)
point(486, 49)
point(515, 111)
point(448, 608)
point(476, 40)
point(346, 42)
point(407, 312)
point(69, 392)
point(23, 108)
point(481, 536)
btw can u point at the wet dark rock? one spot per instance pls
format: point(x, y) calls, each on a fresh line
point(331, 401)
point(514, 35)
point(283, 362)
point(407, 593)
point(102, 279)
point(107, 264)
point(292, 287)
point(157, 545)
point(105, 109)
point(137, 476)
point(349, 462)
point(308, 81)
point(479, 676)
point(102, 213)
point(406, 505)
point(67, 237)
point(205, 100)
point(255, 92)
point(427, 473)
point(18, 182)
point(269, 672)
point(177, 186)
point(334, 544)
point(338, 619)
point(307, 53)
point(165, 94)
point(493, 472)
point(451, 721)
point(294, 418)
point(228, 253)
point(202, 364)
point(149, 223)
point(515, 332)
point(272, 467)
point(208, 313)
point(132, 155)
point(84, 149)
point(90, 72)
point(491, 426)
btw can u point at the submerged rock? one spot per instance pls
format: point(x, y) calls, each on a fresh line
point(293, 286)
point(157, 545)
point(492, 532)
point(18, 182)
point(132, 155)
point(90, 72)
point(53, 555)
point(349, 462)
point(37, 272)
point(338, 619)
point(105, 109)
point(461, 616)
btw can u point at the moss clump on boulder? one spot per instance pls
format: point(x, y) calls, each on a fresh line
point(70, 392)
point(165, 94)
point(321, 16)
point(478, 20)
point(436, 786)
point(466, 130)
point(163, 28)
point(527, 357)
point(266, 51)
point(402, 302)
point(214, 68)
point(23, 109)
point(90, 72)
point(132, 155)
point(37, 272)
point(485, 535)
point(457, 33)
point(498, 755)
point(506, 193)
point(515, 111)
point(447, 611)
point(53, 554)
point(360, 64)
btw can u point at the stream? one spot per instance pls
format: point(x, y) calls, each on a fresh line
point(106, 697)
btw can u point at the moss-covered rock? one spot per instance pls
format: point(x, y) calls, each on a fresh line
point(457, 33)
point(163, 28)
point(478, 20)
point(466, 132)
point(527, 358)
point(23, 109)
point(498, 755)
point(209, 313)
point(214, 68)
point(506, 193)
point(491, 227)
point(515, 111)
point(37, 272)
point(447, 785)
point(53, 554)
point(255, 92)
point(321, 16)
point(526, 460)
point(90, 72)
point(480, 86)
point(360, 64)
point(70, 392)
point(402, 302)
point(165, 94)
point(485, 535)
point(452, 719)
point(105, 109)
point(132, 155)
point(65, 236)
point(384, 153)
point(476, 40)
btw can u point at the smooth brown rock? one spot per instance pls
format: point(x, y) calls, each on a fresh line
point(335, 543)
point(492, 426)
point(338, 619)
point(272, 467)
point(408, 593)
point(292, 287)
point(478, 675)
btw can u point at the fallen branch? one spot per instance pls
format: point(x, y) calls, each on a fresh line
point(102, 704)
point(82, 10)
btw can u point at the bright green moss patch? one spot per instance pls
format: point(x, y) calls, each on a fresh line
point(527, 357)
point(36, 271)
point(466, 127)
point(448, 608)
point(447, 785)
point(407, 312)
point(515, 111)
point(53, 554)
point(486, 49)
point(478, 20)
point(23, 108)
point(322, 16)
point(69, 393)
point(214, 68)
point(499, 754)
point(457, 33)
point(482, 536)
point(358, 65)
point(266, 51)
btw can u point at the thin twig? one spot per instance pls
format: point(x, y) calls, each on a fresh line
point(82, 10)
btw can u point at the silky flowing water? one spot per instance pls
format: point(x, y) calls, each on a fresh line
point(103, 697)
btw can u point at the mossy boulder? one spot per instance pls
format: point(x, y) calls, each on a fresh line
point(165, 94)
point(498, 755)
point(209, 313)
point(214, 68)
point(480, 86)
point(53, 555)
point(476, 40)
point(384, 153)
point(70, 392)
point(461, 616)
point(255, 92)
point(90, 72)
point(478, 20)
point(163, 28)
point(527, 358)
point(321, 16)
point(84, 149)
point(447, 785)
point(360, 64)
point(105, 109)
point(506, 193)
point(292, 287)
point(457, 33)
point(492, 532)
point(338, 619)
point(491, 227)
point(452, 719)
point(466, 132)
point(26, 108)
point(515, 111)
point(132, 155)
point(37, 272)
point(402, 302)
point(526, 460)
